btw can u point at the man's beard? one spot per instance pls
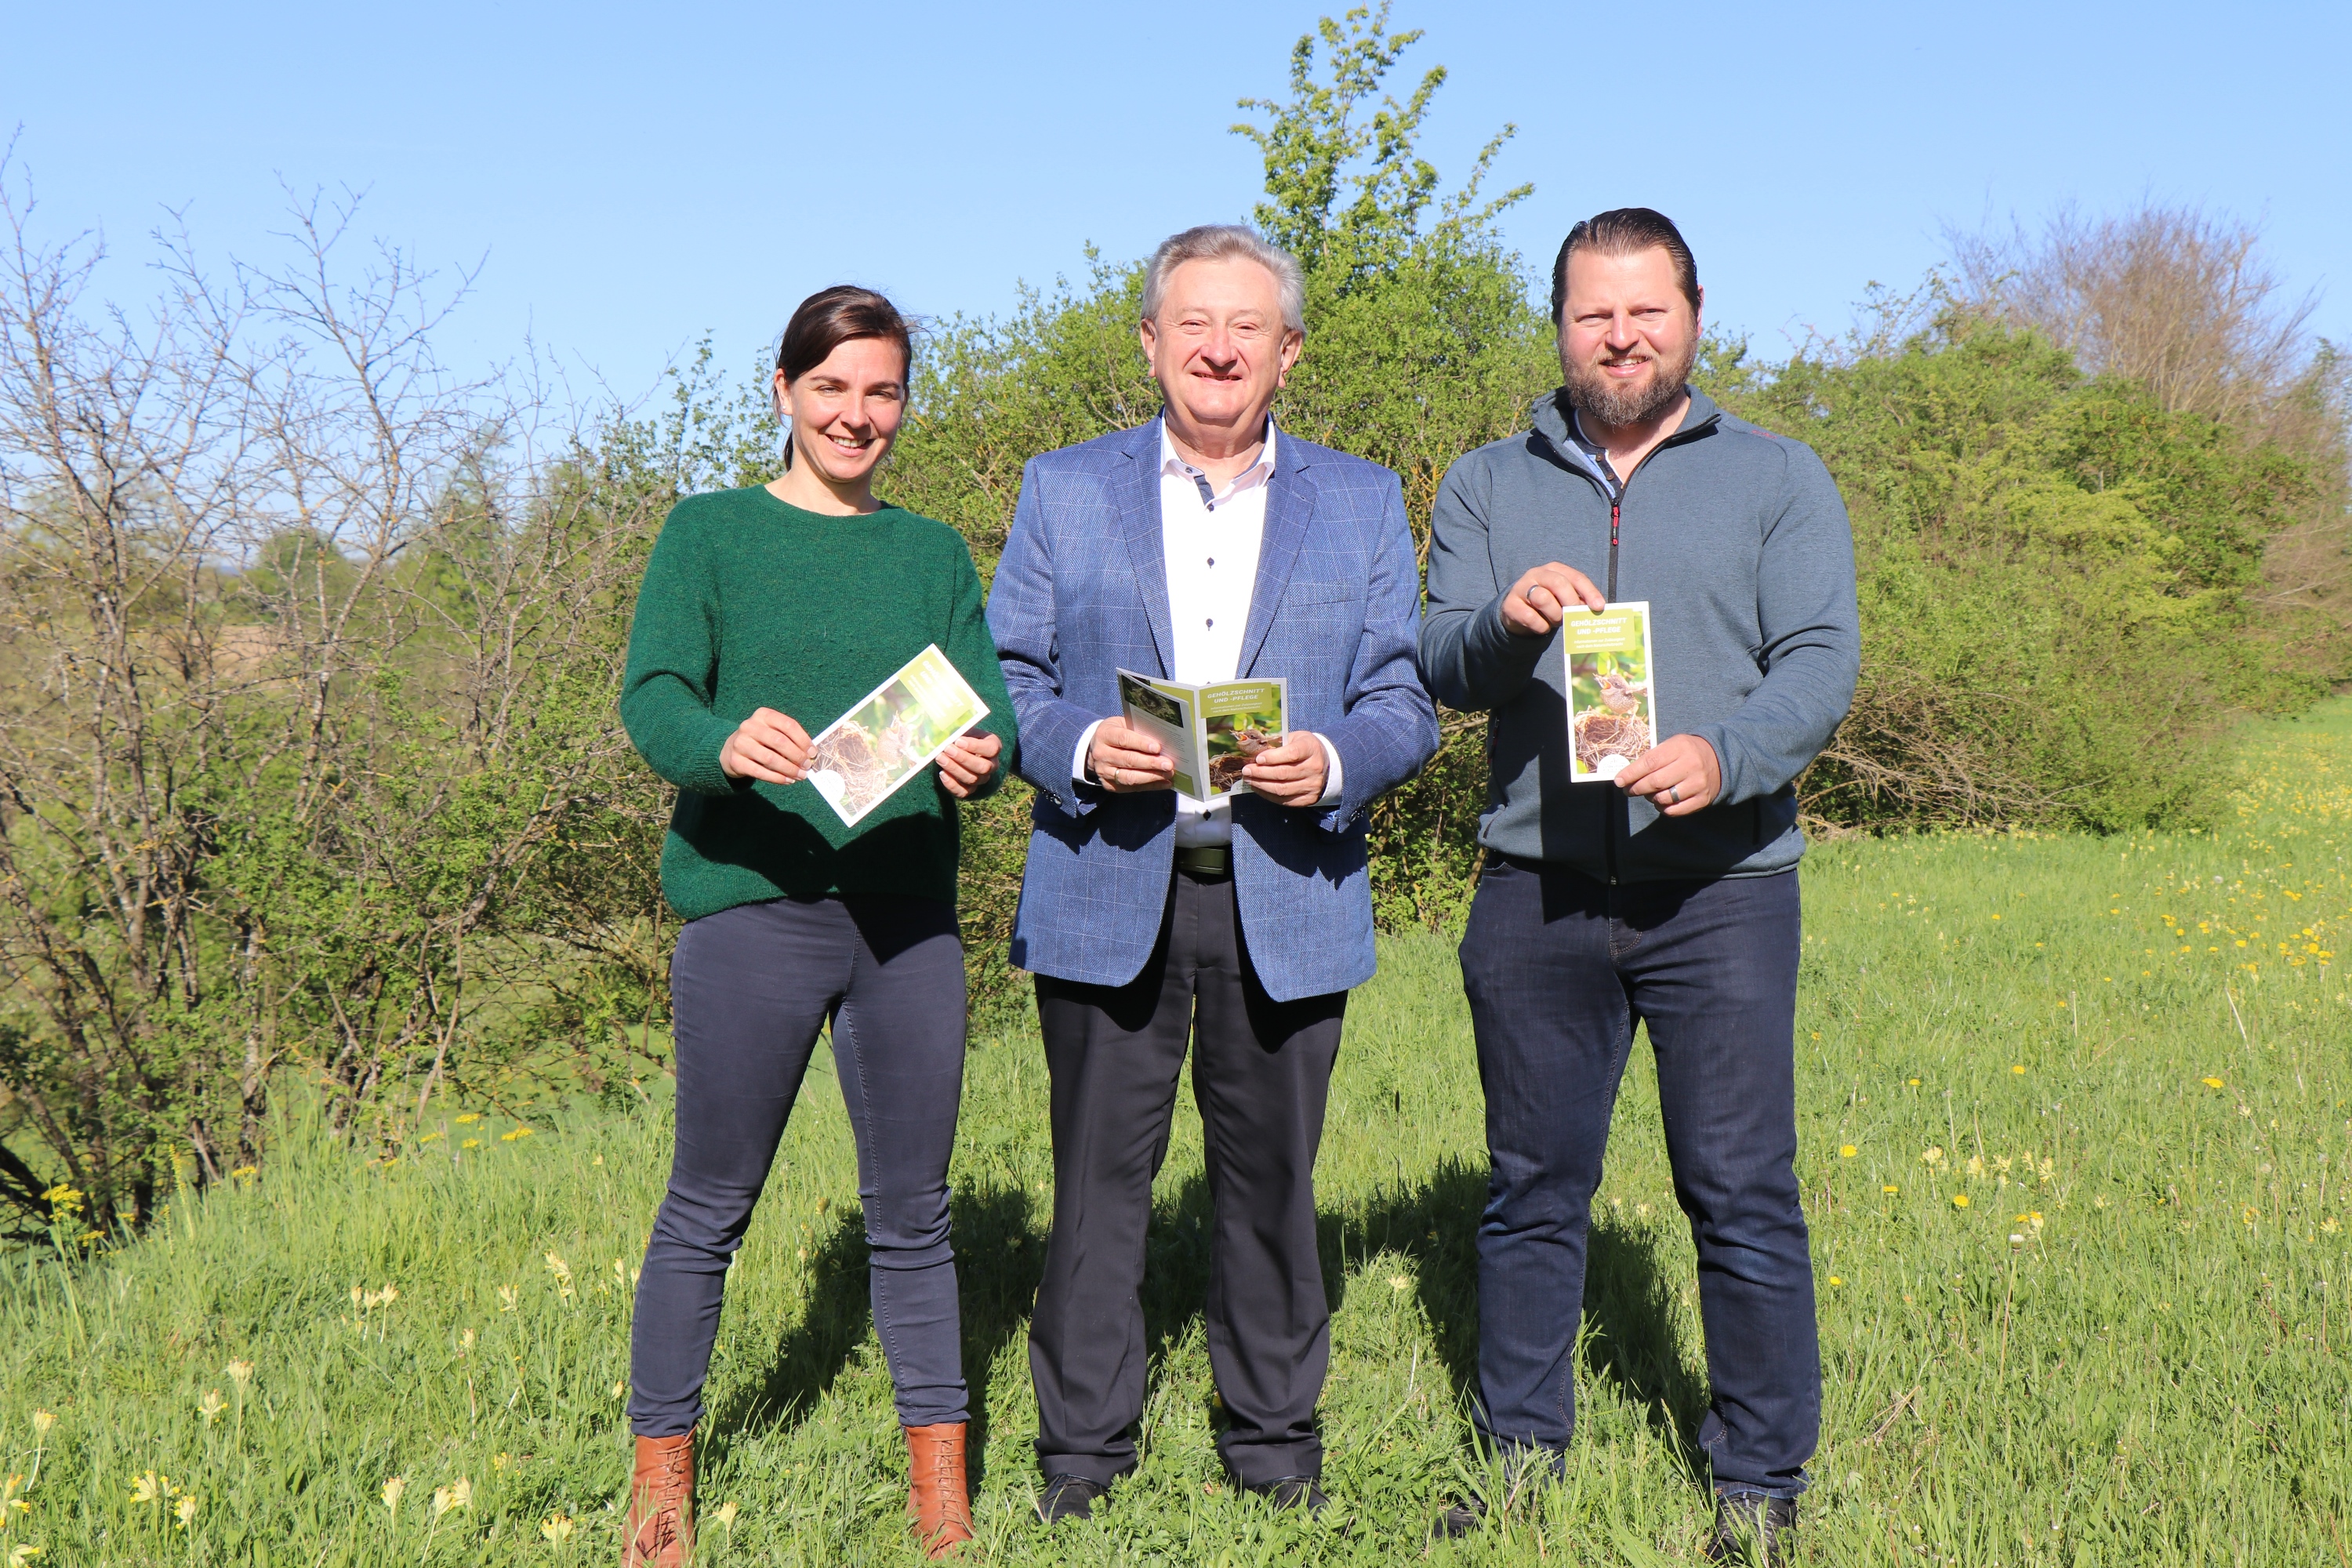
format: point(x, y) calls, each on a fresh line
point(1613, 403)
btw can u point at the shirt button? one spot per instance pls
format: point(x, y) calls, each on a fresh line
point(1213, 621)
point(1213, 560)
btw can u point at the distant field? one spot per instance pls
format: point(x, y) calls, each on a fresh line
point(2074, 1131)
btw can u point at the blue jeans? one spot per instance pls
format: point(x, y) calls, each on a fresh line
point(1558, 968)
point(749, 988)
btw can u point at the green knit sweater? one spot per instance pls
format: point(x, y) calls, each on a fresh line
point(749, 602)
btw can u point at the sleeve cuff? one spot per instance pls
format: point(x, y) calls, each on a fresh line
point(1335, 776)
point(1078, 773)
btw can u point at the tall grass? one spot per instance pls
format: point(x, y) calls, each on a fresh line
point(2127, 1346)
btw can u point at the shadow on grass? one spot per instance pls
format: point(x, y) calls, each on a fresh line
point(998, 1262)
point(1631, 1338)
point(1629, 1335)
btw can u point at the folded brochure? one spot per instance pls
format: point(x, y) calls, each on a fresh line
point(892, 734)
point(1210, 731)
point(1612, 697)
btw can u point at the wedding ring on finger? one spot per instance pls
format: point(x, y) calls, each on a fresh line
point(1674, 795)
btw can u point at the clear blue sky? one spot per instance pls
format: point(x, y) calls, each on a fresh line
point(635, 177)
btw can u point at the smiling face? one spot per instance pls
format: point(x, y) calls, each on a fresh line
point(1219, 348)
point(1627, 336)
point(846, 411)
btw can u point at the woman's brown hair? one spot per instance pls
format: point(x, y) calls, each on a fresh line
point(832, 316)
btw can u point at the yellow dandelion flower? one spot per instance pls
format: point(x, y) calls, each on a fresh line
point(1847, 1151)
point(1959, 1200)
point(1913, 1082)
point(1833, 1279)
point(2016, 1067)
point(2213, 1083)
point(1890, 1189)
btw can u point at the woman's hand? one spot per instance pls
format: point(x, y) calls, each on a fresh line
point(769, 746)
point(970, 758)
point(1678, 776)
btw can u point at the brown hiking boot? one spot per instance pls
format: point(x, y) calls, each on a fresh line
point(938, 1504)
point(659, 1530)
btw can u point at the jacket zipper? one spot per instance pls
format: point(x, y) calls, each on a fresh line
point(1614, 503)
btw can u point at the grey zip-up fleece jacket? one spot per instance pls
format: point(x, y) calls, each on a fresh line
point(1736, 538)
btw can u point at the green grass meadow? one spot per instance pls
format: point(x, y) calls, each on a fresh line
point(2073, 1131)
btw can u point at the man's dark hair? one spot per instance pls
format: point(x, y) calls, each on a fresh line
point(832, 316)
point(1621, 231)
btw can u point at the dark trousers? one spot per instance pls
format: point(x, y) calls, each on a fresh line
point(1558, 967)
point(1261, 1073)
point(751, 987)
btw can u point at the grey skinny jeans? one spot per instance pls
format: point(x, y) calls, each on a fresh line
point(749, 988)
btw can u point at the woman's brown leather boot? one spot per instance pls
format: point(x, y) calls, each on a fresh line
point(937, 1500)
point(659, 1530)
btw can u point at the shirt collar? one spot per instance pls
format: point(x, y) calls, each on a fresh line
point(1173, 464)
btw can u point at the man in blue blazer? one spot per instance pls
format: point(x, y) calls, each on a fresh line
point(1204, 545)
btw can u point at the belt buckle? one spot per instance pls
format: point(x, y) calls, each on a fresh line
point(1205, 859)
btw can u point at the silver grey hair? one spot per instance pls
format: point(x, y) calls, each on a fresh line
point(1226, 242)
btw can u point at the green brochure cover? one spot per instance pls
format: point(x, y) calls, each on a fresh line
point(1612, 697)
point(893, 733)
point(1210, 731)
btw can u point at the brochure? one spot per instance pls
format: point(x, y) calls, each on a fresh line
point(1210, 731)
point(1613, 699)
point(892, 734)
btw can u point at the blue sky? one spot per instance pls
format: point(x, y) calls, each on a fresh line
point(632, 178)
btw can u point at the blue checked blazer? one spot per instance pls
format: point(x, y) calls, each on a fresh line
point(1082, 592)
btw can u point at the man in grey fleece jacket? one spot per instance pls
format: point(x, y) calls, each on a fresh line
point(1669, 895)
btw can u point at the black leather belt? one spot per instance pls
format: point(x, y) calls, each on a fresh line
point(1206, 862)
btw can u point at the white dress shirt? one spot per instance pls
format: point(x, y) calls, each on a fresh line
point(1209, 540)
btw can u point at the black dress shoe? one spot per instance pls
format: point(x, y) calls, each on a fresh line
point(1753, 1529)
point(1458, 1520)
point(1068, 1497)
point(1292, 1491)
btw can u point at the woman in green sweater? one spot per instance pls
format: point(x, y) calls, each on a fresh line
point(765, 614)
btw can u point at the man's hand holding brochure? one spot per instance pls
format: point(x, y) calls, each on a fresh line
point(1205, 742)
point(1614, 699)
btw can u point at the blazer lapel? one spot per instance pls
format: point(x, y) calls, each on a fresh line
point(1135, 489)
point(1289, 506)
